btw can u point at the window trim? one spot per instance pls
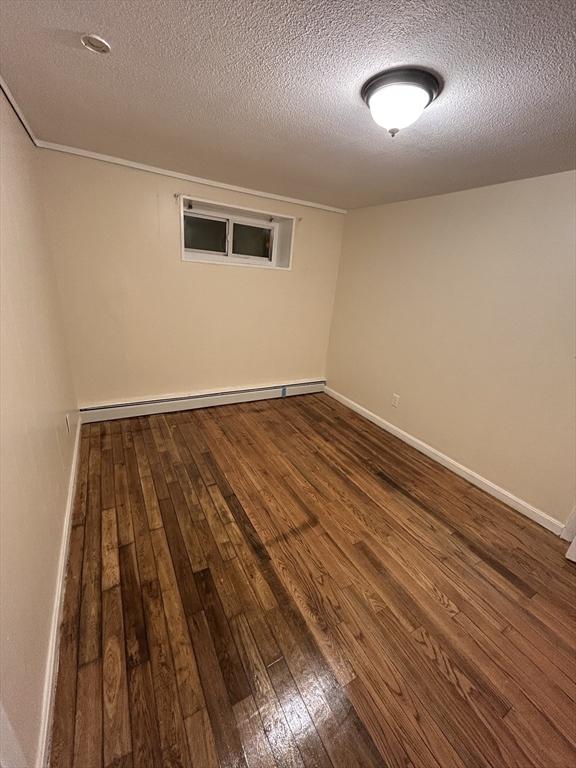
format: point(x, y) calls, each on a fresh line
point(193, 254)
point(284, 240)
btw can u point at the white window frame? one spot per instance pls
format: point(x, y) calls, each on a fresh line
point(198, 214)
point(219, 257)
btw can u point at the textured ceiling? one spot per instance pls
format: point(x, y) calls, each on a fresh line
point(265, 93)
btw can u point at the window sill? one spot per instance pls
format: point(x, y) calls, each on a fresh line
point(229, 262)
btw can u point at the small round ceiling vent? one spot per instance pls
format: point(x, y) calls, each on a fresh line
point(95, 43)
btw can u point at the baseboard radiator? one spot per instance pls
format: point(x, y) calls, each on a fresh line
point(203, 400)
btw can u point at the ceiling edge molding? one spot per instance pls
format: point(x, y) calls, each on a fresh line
point(41, 144)
point(183, 176)
point(19, 114)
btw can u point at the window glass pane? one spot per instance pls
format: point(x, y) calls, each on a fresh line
point(204, 234)
point(252, 241)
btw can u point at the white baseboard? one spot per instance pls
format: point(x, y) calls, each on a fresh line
point(107, 411)
point(468, 474)
point(569, 530)
point(571, 554)
point(54, 641)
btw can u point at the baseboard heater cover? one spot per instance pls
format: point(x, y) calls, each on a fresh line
point(204, 400)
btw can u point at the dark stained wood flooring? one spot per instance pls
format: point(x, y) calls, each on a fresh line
point(282, 583)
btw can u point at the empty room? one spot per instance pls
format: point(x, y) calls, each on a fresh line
point(288, 384)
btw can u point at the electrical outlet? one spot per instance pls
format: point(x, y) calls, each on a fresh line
point(395, 400)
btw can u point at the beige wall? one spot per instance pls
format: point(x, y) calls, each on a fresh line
point(463, 304)
point(143, 324)
point(35, 447)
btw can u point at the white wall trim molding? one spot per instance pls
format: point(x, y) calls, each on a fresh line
point(16, 108)
point(182, 176)
point(569, 530)
point(537, 515)
point(41, 144)
point(54, 641)
point(202, 399)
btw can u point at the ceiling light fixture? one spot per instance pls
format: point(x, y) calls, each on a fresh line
point(95, 43)
point(397, 97)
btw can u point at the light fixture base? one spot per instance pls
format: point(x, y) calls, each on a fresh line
point(423, 78)
point(95, 43)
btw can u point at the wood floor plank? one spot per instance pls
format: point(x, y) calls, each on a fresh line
point(192, 501)
point(216, 523)
point(151, 502)
point(267, 645)
point(298, 718)
point(155, 463)
point(134, 627)
point(280, 738)
point(144, 725)
point(88, 725)
point(90, 613)
point(187, 528)
point(116, 440)
point(201, 740)
point(107, 479)
point(81, 489)
point(110, 563)
point(231, 602)
point(224, 728)
point(250, 564)
point(219, 476)
point(228, 659)
point(180, 560)
point(147, 483)
point(170, 721)
point(164, 564)
point(123, 511)
point(197, 449)
point(144, 553)
point(185, 666)
point(62, 746)
point(256, 747)
point(116, 717)
point(166, 459)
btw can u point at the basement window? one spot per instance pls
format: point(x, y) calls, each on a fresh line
point(220, 234)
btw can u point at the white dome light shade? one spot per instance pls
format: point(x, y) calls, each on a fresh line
point(398, 97)
point(396, 106)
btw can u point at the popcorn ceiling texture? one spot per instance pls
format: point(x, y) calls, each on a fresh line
point(265, 94)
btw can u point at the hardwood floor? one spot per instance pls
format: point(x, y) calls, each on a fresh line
point(282, 583)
